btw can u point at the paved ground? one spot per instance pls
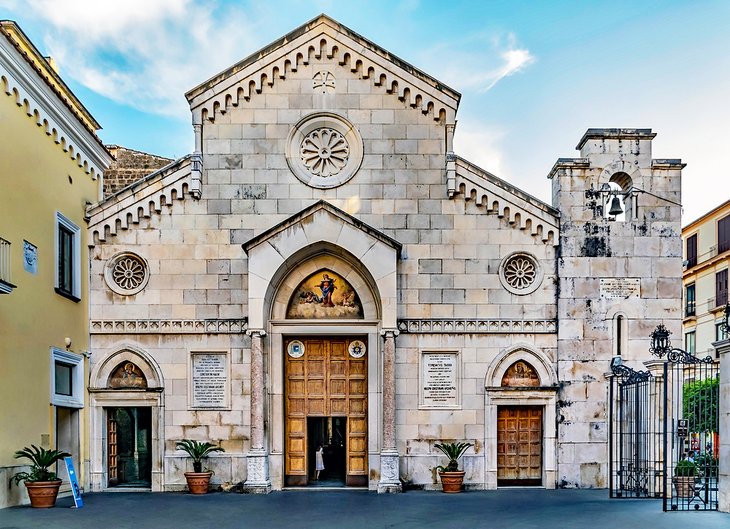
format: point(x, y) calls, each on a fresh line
point(513, 509)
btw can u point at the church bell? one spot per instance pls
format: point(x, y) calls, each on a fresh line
point(615, 207)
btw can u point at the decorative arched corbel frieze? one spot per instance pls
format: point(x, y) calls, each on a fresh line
point(332, 42)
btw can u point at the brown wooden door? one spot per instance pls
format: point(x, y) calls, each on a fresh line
point(325, 382)
point(519, 445)
point(112, 448)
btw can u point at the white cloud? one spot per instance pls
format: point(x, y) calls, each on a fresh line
point(140, 52)
point(480, 144)
point(99, 19)
point(478, 62)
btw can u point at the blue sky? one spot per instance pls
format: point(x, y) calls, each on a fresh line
point(533, 75)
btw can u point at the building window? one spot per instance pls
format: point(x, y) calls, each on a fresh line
point(67, 379)
point(723, 235)
point(721, 288)
point(720, 332)
point(690, 301)
point(692, 251)
point(689, 342)
point(620, 335)
point(68, 258)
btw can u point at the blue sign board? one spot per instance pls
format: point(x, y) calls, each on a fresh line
point(78, 502)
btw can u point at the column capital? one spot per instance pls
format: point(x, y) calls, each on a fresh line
point(257, 332)
point(389, 333)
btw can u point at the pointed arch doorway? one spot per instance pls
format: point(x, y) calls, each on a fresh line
point(127, 421)
point(520, 400)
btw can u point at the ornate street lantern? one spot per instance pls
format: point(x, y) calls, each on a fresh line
point(660, 343)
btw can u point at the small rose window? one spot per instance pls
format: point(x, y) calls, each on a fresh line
point(520, 273)
point(126, 273)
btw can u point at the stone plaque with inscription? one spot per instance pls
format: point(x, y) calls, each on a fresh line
point(620, 287)
point(439, 379)
point(210, 380)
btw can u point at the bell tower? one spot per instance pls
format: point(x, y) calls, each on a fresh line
point(619, 269)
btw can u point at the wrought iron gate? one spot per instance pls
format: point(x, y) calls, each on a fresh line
point(663, 429)
point(691, 424)
point(635, 463)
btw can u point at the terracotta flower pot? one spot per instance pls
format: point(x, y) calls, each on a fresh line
point(451, 482)
point(198, 482)
point(685, 486)
point(43, 494)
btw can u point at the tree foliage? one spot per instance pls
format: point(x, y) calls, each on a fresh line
point(700, 403)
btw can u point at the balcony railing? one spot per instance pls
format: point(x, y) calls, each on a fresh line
point(717, 302)
point(6, 285)
point(709, 254)
point(690, 309)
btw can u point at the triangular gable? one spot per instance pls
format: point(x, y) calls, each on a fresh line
point(323, 36)
point(303, 216)
point(496, 196)
point(141, 199)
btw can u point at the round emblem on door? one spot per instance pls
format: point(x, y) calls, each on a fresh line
point(295, 349)
point(356, 349)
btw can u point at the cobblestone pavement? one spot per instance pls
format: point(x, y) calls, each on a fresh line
point(506, 508)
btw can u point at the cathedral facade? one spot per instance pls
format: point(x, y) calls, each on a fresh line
point(325, 271)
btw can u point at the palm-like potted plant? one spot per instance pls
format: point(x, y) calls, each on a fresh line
point(198, 480)
point(685, 474)
point(41, 482)
point(451, 477)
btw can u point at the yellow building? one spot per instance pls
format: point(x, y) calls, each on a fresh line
point(706, 243)
point(52, 167)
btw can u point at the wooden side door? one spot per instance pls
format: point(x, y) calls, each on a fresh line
point(112, 448)
point(519, 445)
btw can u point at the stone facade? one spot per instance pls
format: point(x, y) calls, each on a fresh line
point(129, 166)
point(325, 152)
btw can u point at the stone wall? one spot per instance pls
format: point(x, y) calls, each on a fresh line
point(128, 167)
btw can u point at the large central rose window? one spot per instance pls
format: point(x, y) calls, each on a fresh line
point(324, 152)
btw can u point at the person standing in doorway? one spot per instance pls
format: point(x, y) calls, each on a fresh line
point(318, 461)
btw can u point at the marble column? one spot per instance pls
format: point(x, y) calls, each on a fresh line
point(389, 462)
point(723, 480)
point(257, 461)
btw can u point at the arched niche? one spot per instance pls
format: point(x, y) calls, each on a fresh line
point(529, 355)
point(310, 265)
point(325, 295)
point(127, 375)
point(520, 375)
point(144, 365)
point(322, 229)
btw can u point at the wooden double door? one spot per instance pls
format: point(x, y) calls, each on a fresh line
point(329, 383)
point(519, 445)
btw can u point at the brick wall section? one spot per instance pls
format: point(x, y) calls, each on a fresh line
point(129, 166)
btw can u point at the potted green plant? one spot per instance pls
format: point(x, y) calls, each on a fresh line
point(41, 482)
point(451, 477)
point(198, 480)
point(685, 474)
